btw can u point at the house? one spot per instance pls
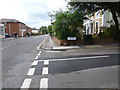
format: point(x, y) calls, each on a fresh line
point(34, 30)
point(2, 31)
point(14, 26)
point(95, 22)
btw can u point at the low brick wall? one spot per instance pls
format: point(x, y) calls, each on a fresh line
point(81, 42)
point(66, 42)
point(103, 41)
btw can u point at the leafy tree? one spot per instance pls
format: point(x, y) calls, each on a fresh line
point(90, 7)
point(50, 29)
point(68, 24)
point(44, 29)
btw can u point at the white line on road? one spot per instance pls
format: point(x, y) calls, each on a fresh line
point(45, 70)
point(66, 59)
point(31, 71)
point(8, 46)
point(3, 48)
point(35, 63)
point(40, 45)
point(46, 62)
point(44, 83)
point(38, 55)
point(26, 83)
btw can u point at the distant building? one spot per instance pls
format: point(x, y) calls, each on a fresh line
point(2, 30)
point(14, 26)
point(95, 22)
point(34, 30)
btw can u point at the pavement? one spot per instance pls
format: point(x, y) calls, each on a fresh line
point(50, 44)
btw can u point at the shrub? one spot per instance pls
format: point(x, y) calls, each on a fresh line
point(110, 33)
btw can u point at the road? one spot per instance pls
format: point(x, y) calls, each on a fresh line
point(26, 67)
point(18, 52)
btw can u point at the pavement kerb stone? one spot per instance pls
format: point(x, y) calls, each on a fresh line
point(58, 48)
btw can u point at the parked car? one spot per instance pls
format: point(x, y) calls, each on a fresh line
point(7, 35)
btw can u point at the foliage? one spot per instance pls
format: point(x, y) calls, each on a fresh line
point(110, 32)
point(35, 34)
point(68, 24)
point(50, 29)
point(44, 29)
point(90, 7)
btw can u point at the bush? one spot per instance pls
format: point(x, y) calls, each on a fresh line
point(110, 33)
point(35, 34)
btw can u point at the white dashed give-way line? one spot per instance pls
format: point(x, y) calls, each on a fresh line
point(46, 62)
point(31, 71)
point(45, 70)
point(44, 83)
point(26, 83)
point(35, 63)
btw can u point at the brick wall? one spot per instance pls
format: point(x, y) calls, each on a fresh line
point(12, 27)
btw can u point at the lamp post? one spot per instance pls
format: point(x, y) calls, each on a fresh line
point(51, 16)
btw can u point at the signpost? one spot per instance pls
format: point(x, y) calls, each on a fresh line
point(71, 39)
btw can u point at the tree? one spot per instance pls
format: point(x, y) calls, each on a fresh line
point(68, 24)
point(44, 29)
point(90, 7)
point(50, 29)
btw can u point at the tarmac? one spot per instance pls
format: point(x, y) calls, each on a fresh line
point(90, 78)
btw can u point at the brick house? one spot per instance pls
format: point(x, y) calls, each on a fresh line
point(12, 26)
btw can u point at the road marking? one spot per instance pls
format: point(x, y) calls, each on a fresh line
point(46, 62)
point(31, 71)
point(3, 48)
point(35, 63)
point(38, 55)
point(26, 83)
point(8, 46)
point(44, 83)
point(45, 70)
point(67, 59)
point(41, 44)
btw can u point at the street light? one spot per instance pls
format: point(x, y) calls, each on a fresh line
point(51, 15)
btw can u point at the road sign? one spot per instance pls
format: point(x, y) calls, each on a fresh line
point(71, 38)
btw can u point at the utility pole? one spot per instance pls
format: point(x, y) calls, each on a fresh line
point(51, 16)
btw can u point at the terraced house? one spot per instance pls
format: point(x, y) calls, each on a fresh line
point(98, 20)
point(14, 26)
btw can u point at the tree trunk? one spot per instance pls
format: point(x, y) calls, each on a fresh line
point(115, 19)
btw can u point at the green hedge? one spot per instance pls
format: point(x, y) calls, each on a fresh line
point(110, 33)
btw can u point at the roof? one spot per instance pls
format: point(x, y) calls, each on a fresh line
point(9, 20)
point(34, 29)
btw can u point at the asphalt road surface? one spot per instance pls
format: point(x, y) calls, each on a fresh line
point(18, 51)
point(25, 67)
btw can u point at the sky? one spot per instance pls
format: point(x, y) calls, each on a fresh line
point(33, 13)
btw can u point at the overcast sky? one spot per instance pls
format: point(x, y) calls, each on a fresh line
point(33, 13)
